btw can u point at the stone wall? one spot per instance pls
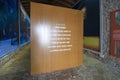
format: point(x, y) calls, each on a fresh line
point(107, 6)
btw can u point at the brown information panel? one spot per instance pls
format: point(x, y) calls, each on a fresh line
point(56, 38)
point(115, 33)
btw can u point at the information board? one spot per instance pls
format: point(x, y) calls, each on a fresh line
point(115, 33)
point(56, 38)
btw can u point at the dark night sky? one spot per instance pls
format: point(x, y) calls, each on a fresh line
point(92, 21)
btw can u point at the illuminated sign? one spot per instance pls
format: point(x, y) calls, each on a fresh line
point(60, 38)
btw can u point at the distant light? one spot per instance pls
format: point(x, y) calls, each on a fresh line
point(42, 31)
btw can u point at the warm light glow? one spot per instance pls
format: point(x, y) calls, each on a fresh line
point(42, 31)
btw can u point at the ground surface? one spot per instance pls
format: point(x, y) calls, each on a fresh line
point(20, 63)
point(93, 69)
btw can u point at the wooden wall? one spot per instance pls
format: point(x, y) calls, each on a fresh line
point(56, 38)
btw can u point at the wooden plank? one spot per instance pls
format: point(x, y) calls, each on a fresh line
point(56, 38)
